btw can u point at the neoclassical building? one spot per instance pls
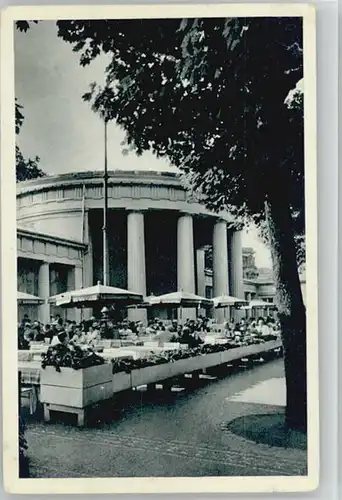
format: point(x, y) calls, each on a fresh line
point(157, 234)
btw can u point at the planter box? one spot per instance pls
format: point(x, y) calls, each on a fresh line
point(196, 363)
point(150, 374)
point(245, 351)
point(209, 360)
point(179, 367)
point(121, 382)
point(76, 388)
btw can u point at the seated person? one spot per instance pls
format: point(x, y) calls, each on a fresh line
point(141, 330)
point(39, 336)
point(150, 330)
point(262, 328)
point(77, 336)
point(192, 340)
point(91, 335)
point(166, 335)
point(28, 333)
point(60, 338)
point(96, 338)
point(252, 328)
point(174, 326)
point(23, 343)
point(48, 333)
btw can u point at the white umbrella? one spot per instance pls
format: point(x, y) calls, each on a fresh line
point(180, 299)
point(228, 300)
point(27, 298)
point(260, 303)
point(96, 295)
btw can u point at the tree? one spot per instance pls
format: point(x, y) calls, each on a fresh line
point(26, 168)
point(209, 94)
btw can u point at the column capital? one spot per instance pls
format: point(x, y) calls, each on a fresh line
point(220, 220)
point(136, 210)
point(184, 213)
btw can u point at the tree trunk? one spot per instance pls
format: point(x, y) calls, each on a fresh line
point(289, 301)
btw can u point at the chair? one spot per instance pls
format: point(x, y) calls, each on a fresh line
point(30, 392)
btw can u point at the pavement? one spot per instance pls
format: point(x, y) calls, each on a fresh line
point(193, 431)
point(269, 392)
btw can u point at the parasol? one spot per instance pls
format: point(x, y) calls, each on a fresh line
point(228, 300)
point(260, 303)
point(26, 298)
point(96, 295)
point(180, 299)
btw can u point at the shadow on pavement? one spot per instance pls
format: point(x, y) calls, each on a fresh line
point(268, 429)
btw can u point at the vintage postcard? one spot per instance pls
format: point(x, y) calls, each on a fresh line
point(159, 247)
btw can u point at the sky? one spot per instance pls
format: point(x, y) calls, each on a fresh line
point(60, 127)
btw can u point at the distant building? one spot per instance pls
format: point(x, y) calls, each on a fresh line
point(258, 282)
point(250, 271)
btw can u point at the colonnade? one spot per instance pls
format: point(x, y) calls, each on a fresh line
point(227, 263)
point(190, 262)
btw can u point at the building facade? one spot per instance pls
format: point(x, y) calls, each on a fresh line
point(157, 235)
point(157, 238)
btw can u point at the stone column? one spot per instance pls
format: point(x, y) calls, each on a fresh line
point(236, 267)
point(136, 263)
point(220, 265)
point(44, 292)
point(185, 260)
point(200, 268)
point(237, 270)
point(200, 262)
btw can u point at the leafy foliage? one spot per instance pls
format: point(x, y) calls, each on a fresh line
point(208, 94)
point(26, 168)
point(19, 117)
point(24, 25)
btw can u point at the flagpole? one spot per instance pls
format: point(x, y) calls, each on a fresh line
point(105, 210)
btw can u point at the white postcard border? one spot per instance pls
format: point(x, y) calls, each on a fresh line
point(8, 263)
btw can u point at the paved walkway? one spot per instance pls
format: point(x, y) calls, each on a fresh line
point(270, 392)
point(180, 434)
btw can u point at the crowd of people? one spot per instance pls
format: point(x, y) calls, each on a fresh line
point(90, 332)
